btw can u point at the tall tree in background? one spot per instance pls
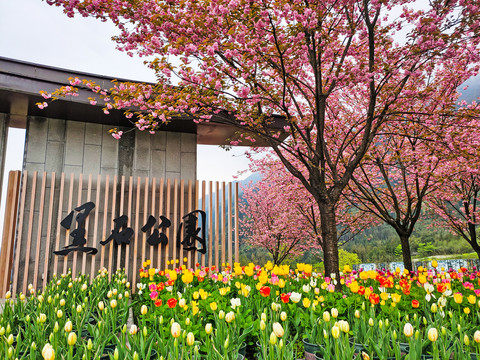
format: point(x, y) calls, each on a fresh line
point(331, 68)
point(397, 176)
point(279, 213)
point(456, 203)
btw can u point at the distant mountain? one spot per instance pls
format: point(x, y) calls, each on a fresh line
point(255, 177)
point(473, 91)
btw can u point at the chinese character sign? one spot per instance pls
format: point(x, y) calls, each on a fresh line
point(121, 233)
point(191, 232)
point(78, 234)
point(120, 237)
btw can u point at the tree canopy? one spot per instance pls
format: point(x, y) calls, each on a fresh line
point(337, 71)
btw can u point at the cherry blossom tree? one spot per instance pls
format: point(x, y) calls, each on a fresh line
point(456, 203)
point(337, 71)
point(280, 215)
point(393, 183)
point(457, 208)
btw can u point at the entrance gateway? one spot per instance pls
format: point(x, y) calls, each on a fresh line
point(85, 200)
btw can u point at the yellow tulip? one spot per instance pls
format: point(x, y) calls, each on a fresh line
point(432, 334)
point(476, 336)
point(326, 316)
point(47, 352)
point(306, 302)
point(68, 326)
point(335, 332)
point(396, 297)
point(229, 317)
point(334, 313)
point(273, 338)
point(72, 339)
point(190, 339)
point(176, 330)
point(408, 330)
point(278, 329)
point(458, 297)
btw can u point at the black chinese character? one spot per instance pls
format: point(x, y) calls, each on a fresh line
point(157, 237)
point(191, 231)
point(120, 237)
point(78, 234)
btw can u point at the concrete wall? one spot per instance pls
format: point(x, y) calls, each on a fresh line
point(69, 146)
point(54, 145)
point(3, 145)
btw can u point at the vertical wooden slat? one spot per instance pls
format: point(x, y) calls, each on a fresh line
point(129, 214)
point(182, 213)
point(204, 194)
point(160, 212)
point(145, 216)
point(49, 228)
point(87, 222)
point(95, 226)
point(39, 229)
point(210, 224)
point(105, 212)
point(135, 248)
point(224, 214)
point(69, 208)
point(122, 200)
point(175, 221)
point(112, 243)
point(79, 202)
point(230, 218)
point(59, 219)
point(11, 206)
point(18, 243)
point(191, 254)
point(217, 224)
point(167, 210)
point(154, 188)
point(29, 232)
point(237, 244)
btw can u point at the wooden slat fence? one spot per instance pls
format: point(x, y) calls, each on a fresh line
point(38, 202)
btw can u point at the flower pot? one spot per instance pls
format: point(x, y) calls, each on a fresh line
point(107, 350)
point(358, 347)
point(154, 355)
point(319, 356)
point(404, 348)
point(243, 349)
point(239, 357)
point(310, 349)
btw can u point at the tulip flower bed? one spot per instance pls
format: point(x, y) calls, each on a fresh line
point(431, 314)
point(260, 312)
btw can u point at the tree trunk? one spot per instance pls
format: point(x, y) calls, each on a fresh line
point(407, 256)
point(472, 230)
point(330, 241)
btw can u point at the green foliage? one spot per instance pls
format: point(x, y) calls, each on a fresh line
point(255, 254)
point(382, 244)
point(347, 258)
point(398, 250)
point(425, 249)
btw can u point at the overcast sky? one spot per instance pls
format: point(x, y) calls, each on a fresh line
point(33, 31)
